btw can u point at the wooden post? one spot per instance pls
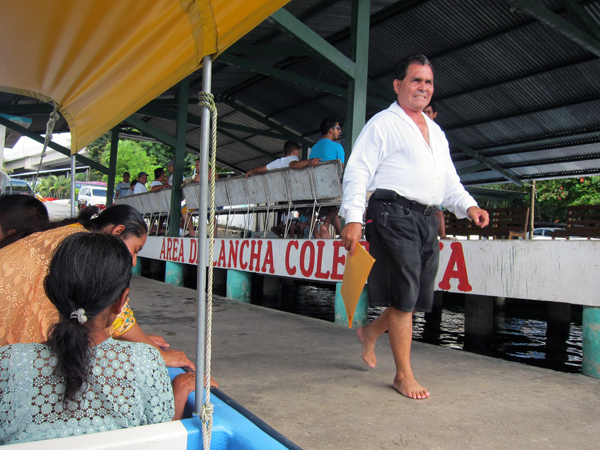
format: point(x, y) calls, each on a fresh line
point(531, 210)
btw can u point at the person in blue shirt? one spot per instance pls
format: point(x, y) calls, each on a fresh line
point(327, 150)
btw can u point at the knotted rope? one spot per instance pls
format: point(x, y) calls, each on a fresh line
point(206, 413)
point(49, 129)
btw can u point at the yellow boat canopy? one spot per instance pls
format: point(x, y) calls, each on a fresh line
point(101, 61)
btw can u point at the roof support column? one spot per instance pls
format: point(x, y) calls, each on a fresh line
point(357, 87)
point(112, 166)
point(176, 194)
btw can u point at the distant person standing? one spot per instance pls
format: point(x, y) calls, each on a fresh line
point(140, 187)
point(328, 150)
point(122, 188)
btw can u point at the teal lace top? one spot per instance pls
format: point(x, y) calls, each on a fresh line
point(128, 385)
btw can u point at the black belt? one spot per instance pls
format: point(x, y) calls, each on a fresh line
point(393, 196)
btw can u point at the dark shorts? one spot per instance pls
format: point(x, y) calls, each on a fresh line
point(405, 246)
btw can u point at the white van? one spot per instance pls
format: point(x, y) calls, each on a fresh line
point(91, 196)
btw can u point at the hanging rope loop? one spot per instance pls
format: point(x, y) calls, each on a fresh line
point(207, 100)
point(54, 116)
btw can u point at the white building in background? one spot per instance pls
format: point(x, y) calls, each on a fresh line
point(25, 155)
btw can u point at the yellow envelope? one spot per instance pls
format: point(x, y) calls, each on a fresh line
point(355, 276)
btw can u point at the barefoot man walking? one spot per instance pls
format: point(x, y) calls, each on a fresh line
point(403, 158)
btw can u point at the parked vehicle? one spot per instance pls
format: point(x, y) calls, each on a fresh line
point(15, 186)
point(545, 233)
point(94, 195)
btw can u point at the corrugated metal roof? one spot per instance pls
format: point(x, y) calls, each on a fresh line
point(508, 86)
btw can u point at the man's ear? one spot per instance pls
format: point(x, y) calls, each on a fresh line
point(397, 85)
point(118, 305)
point(117, 230)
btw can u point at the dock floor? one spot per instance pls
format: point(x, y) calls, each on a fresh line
point(305, 377)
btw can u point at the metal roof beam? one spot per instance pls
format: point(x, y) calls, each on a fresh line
point(282, 74)
point(582, 17)
point(514, 79)
point(472, 169)
point(585, 137)
point(151, 131)
point(356, 103)
point(380, 17)
point(557, 23)
point(482, 40)
point(237, 105)
point(523, 113)
point(556, 160)
point(247, 144)
point(295, 78)
point(258, 131)
point(53, 145)
point(293, 28)
point(27, 108)
point(268, 50)
point(476, 155)
point(160, 113)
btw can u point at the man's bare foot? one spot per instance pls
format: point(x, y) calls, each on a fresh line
point(410, 388)
point(368, 349)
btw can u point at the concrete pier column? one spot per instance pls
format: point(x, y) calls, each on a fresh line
point(155, 269)
point(239, 285)
point(174, 273)
point(270, 287)
point(360, 315)
point(219, 281)
point(591, 341)
point(479, 320)
point(559, 318)
point(287, 283)
point(137, 269)
point(438, 302)
point(499, 303)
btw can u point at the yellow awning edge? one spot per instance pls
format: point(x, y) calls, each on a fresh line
point(100, 62)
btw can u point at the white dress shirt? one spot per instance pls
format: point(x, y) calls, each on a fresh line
point(391, 153)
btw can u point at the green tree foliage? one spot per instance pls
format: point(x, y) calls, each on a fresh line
point(553, 196)
point(132, 158)
point(99, 151)
point(96, 148)
point(57, 186)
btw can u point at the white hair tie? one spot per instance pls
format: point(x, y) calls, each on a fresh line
point(79, 315)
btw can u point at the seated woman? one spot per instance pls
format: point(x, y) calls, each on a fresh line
point(26, 314)
point(81, 380)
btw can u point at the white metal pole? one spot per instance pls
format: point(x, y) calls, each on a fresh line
point(531, 210)
point(2, 140)
point(202, 241)
point(73, 210)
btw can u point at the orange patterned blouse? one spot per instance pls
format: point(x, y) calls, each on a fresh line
point(26, 313)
